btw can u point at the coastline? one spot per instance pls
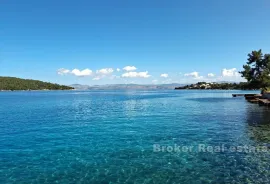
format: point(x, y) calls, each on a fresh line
point(130, 89)
point(37, 90)
point(223, 89)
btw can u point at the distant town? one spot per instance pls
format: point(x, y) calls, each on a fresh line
point(214, 85)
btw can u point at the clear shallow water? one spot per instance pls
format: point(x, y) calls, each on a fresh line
point(108, 137)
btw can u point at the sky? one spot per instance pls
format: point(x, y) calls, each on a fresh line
point(125, 41)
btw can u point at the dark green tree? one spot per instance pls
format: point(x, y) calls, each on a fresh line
point(12, 83)
point(257, 70)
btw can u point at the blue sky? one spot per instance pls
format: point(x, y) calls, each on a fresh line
point(166, 41)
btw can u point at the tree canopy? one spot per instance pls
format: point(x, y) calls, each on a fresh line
point(222, 86)
point(12, 83)
point(257, 70)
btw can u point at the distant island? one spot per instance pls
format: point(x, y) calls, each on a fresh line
point(127, 86)
point(256, 71)
point(13, 83)
point(213, 85)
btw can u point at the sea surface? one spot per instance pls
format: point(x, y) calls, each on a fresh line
point(116, 137)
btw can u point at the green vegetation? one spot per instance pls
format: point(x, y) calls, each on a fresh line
point(257, 70)
point(224, 86)
point(12, 83)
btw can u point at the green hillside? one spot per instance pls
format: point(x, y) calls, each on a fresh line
point(12, 83)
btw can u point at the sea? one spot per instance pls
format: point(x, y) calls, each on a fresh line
point(133, 136)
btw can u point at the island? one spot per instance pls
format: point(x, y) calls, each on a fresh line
point(13, 83)
point(256, 71)
point(222, 86)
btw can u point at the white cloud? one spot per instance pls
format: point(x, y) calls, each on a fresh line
point(211, 75)
point(230, 72)
point(195, 75)
point(114, 77)
point(165, 75)
point(136, 75)
point(118, 69)
point(83, 73)
point(192, 74)
point(230, 75)
point(63, 71)
point(154, 81)
point(96, 78)
point(105, 71)
point(129, 68)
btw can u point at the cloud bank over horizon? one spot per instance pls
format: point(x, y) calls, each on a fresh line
point(129, 68)
point(130, 72)
point(136, 75)
point(164, 75)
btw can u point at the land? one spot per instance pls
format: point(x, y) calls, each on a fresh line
point(222, 86)
point(13, 83)
point(261, 99)
point(127, 86)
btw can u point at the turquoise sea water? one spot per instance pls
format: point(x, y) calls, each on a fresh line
point(108, 137)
